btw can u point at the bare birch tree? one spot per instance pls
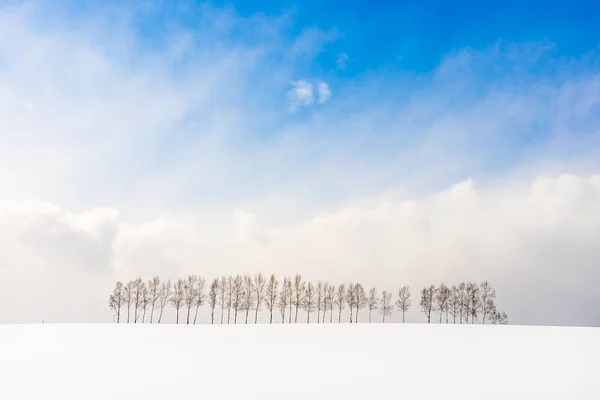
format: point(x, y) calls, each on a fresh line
point(308, 300)
point(128, 297)
point(248, 295)
point(350, 299)
point(284, 299)
point(340, 300)
point(473, 300)
point(230, 295)
point(403, 303)
point(320, 300)
point(138, 298)
point(289, 288)
point(177, 297)
point(116, 300)
point(200, 296)
point(441, 298)
point(271, 296)
point(145, 301)
point(190, 293)
point(153, 295)
point(330, 301)
point(372, 301)
point(165, 297)
point(259, 294)
point(454, 303)
point(213, 299)
point(427, 301)
point(360, 299)
point(298, 299)
point(386, 304)
point(237, 302)
point(488, 297)
point(463, 301)
point(222, 296)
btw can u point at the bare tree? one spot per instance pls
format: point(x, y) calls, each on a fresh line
point(165, 297)
point(386, 304)
point(190, 293)
point(200, 296)
point(427, 301)
point(298, 299)
point(350, 299)
point(116, 300)
point(403, 303)
point(360, 299)
point(308, 300)
point(259, 294)
point(153, 294)
point(248, 295)
point(230, 290)
point(320, 300)
point(213, 298)
point(128, 297)
point(463, 301)
point(271, 296)
point(473, 300)
point(340, 300)
point(289, 288)
point(145, 301)
point(222, 296)
point(372, 301)
point(237, 285)
point(454, 303)
point(330, 301)
point(440, 300)
point(177, 297)
point(138, 298)
point(488, 297)
point(499, 318)
point(284, 299)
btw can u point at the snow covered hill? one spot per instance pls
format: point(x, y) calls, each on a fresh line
point(361, 361)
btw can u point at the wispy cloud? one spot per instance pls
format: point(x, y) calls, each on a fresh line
point(301, 94)
point(324, 92)
point(341, 60)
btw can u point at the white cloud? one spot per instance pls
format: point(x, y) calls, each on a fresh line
point(301, 94)
point(341, 60)
point(324, 92)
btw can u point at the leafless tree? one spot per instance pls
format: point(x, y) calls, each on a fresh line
point(271, 296)
point(213, 298)
point(320, 300)
point(138, 298)
point(177, 297)
point(116, 300)
point(289, 288)
point(165, 297)
point(454, 303)
point(499, 318)
point(427, 301)
point(237, 302)
point(350, 299)
point(372, 301)
point(284, 300)
point(128, 297)
point(200, 296)
point(360, 299)
point(153, 295)
point(248, 295)
point(473, 300)
point(259, 294)
point(463, 301)
point(340, 300)
point(440, 300)
point(308, 300)
point(386, 304)
point(190, 293)
point(222, 296)
point(403, 303)
point(145, 301)
point(298, 299)
point(488, 297)
point(330, 301)
point(230, 295)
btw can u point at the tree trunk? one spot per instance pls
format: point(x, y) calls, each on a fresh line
point(222, 313)
point(161, 313)
point(403, 312)
point(271, 317)
point(187, 321)
point(351, 311)
point(196, 314)
point(228, 315)
point(308, 317)
point(356, 320)
point(128, 312)
point(340, 317)
point(290, 316)
point(235, 317)
point(318, 316)
point(331, 316)
point(247, 311)
point(212, 316)
point(256, 316)
point(177, 317)
point(296, 316)
point(370, 316)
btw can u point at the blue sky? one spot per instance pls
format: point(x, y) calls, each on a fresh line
point(410, 143)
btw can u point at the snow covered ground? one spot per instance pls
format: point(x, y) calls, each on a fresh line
point(361, 361)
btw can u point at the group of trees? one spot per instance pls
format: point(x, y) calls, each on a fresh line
point(245, 296)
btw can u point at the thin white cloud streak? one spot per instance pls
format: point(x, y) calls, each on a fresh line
point(205, 127)
point(324, 92)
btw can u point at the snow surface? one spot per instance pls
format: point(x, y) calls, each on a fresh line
point(361, 361)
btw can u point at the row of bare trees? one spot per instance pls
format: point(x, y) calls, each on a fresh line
point(245, 296)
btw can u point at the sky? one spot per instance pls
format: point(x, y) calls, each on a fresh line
point(388, 144)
